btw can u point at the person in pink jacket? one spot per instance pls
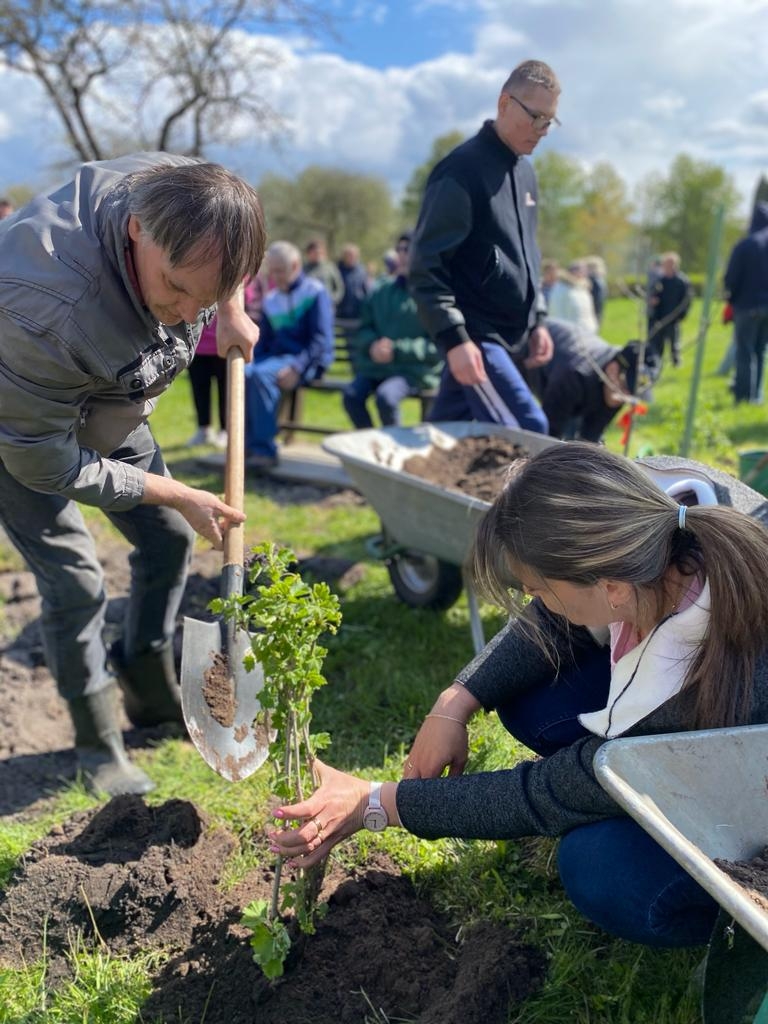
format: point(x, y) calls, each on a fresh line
point(208, 366)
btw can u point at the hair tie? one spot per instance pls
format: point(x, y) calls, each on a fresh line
point(681, 509)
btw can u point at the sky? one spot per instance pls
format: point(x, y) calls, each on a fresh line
point(641, 83)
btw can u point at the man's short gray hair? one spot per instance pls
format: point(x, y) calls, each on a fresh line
point(199, 212)
point(284, 253)
point(530, 74)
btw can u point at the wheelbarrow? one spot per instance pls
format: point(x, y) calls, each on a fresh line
point(426, 529)
point(704, 796)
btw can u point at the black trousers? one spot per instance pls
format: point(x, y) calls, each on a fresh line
point(203, 370)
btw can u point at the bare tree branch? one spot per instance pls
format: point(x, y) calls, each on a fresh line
point(166, 74)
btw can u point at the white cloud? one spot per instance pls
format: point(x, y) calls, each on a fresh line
point(638, 88)
point(666, 104)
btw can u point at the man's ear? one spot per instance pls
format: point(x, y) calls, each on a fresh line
point(134, 228)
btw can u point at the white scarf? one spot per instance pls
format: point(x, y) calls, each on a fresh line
point(648, 675)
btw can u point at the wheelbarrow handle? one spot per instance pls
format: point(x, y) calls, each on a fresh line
point(234, 472)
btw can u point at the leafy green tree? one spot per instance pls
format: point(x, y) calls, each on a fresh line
point(562, 186)
point(19, 195)
point(417, 183)
point(603, 222)
point(339, 205)
point(683, 206)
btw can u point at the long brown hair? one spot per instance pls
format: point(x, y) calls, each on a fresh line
point(579, 513)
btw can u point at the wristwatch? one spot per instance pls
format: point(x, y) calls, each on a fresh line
point(374, 816)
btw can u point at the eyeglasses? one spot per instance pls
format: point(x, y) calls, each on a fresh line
point(540, 121)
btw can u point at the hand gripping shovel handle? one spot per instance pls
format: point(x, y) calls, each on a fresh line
point(234, 475)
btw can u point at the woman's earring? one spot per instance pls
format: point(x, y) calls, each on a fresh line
point(614, 606)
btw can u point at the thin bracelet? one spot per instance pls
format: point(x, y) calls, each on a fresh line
point(448, 718)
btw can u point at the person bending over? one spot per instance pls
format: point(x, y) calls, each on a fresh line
point(646, 617)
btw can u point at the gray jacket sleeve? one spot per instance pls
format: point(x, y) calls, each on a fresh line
point(42, 393)
point(444, 222)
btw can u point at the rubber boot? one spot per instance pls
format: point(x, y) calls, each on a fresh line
point(99, 745)
point(151, 691)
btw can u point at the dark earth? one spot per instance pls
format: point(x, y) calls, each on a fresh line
point(135, 877)
point(751, 875)
point(476, 466)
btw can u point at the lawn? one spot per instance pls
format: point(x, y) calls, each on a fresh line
point(384, 668)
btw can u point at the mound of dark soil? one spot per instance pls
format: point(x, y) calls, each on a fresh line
point(751, 875)
point(139, 877)
point(474, 465)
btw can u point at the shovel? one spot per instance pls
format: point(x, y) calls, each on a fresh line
point(219, 699)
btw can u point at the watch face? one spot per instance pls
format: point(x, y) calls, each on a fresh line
point(375, 819)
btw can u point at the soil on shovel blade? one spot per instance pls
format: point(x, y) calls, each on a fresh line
point(751, 875)
point(136, 878)
point(147, 876)
point(219, 690)
point(474, 465)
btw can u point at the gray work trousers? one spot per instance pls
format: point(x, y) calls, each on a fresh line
point(49, 532)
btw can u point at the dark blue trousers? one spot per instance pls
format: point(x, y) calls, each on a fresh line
point(505, 398)
point(613, 871)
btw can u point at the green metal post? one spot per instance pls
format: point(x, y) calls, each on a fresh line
point(709, 287)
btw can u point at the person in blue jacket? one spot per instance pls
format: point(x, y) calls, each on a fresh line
point(296, 345)
point(746, 285)
point(475, 262)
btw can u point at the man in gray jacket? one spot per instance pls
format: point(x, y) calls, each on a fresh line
point(104, 287)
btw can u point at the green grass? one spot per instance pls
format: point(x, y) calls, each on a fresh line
point(384, 669)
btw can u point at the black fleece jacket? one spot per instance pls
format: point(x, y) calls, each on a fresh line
point(474, 257)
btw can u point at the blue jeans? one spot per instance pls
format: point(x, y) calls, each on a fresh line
point(262, 401)
point(388, 393)
point(49, 532)
point(613, 872)
point(751, 334)
point(505, 398)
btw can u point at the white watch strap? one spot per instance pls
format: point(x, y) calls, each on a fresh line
point(374, 797)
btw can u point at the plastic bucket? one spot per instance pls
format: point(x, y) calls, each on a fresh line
point(753, 469)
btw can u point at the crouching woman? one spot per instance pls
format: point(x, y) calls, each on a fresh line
point(681, 593)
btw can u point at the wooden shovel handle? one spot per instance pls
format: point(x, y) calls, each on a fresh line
point(234, 472)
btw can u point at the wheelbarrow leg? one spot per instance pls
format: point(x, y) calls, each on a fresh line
point(475, 622)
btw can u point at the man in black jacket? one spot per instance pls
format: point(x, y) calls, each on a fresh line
point(475, 260)
point(669, 302)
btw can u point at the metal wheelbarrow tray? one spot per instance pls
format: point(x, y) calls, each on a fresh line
point(704, 795)
point(417, 513)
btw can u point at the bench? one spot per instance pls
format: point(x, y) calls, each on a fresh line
point(291, 414)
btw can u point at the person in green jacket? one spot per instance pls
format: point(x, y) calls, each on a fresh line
point(392, 357)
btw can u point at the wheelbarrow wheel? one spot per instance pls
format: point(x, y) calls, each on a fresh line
point(423, 581)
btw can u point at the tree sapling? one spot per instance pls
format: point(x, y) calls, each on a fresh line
point(285, 617)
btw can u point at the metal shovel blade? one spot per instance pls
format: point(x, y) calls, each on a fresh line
point(219, 699)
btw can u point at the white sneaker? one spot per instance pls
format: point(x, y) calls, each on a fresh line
point(220, 439)
point(203, 435)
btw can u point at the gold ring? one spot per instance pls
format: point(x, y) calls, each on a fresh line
point(409, 765)
point(319, 828)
